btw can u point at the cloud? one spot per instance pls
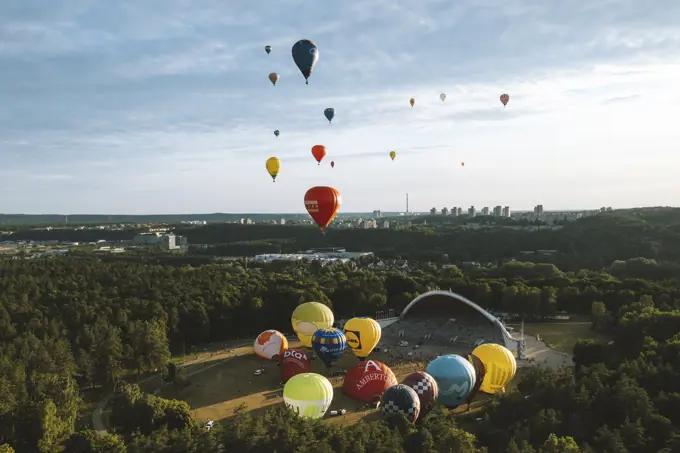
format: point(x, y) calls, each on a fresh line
point(169, 99)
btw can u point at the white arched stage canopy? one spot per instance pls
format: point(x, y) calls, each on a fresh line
point(510, 342)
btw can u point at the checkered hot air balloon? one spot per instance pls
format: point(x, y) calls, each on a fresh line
point(400, 399)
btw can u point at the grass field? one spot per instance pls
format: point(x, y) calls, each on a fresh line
point(561, 336)
point(229, 384)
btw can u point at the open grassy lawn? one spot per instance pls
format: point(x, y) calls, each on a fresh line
point(561, 336)
point(228, 384)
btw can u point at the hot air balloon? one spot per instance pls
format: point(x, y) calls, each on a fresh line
point(367, 381)
point(276, 132)
point(480, 372)
point(499, 364)
point(442, 97)
point(329, 113)
point(505, 98)
point(363, 334)
point(305, 55)
point(270, 345)
point(412, 101)
point(332, 164)
point(455, 378)
point(267, 49)
point(273, 167)
point(426, 388)
point(294, 362)
point(319, 152)
point(309, 317)
point(400, 399)
point(322, 203)
point(462, 164)
point(329, 345)
point(273, 78)
point(308, 394)
point(393, 155)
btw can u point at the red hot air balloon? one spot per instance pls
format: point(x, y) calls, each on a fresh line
point(293, 363)
point(319, 152)
point(505, 98)
point(426, 388)
point(332, 164)
point(367, 381)
point(322, 203)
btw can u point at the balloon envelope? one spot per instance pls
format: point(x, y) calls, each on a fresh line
point(393, 155)
point(499, 364)
point(367, 381)
point(308, 394)
point(309, 317)
point(322, 203)
point(329, 113)
point(425, 387)
point(294, 362)
point(442, 97)
point(480, 372)
point(329, 345)
point(267, 49)
point(332, 164)
point(412, 101)
point(319, 152)
point(363, 334)
point(305, 56)
point(400, 399)
point(455, 378)
point(273, 166)
point(505, 98)
point(270, 345)
point(273, 78)
point(276, 132)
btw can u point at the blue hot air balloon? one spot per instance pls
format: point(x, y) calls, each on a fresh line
point(455, 378)
point(329, 345)
point(329, 113)
point(305, 55)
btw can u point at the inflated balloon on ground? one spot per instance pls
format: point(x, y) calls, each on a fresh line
point(363, 335)
point(294, 362)
point(426, 388)
point(367, 381)
point(400, 399)
point(308, 394)
point(329, 345)
point(499, 364)
point(455, 378)
point(309, 317)
point(270, 344)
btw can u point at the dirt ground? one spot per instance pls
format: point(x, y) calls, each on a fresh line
point(225, 382)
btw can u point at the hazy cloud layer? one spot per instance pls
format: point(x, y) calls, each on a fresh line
point(163, 106)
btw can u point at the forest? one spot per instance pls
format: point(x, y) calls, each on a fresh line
point(76, 323)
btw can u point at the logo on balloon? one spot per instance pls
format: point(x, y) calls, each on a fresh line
point(312, 206)
point(353, 339)
point(312, 51)
point(294, 354)
point(305, 328)
point(458, 389)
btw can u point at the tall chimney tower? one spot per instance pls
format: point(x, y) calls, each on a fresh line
point(407, 203)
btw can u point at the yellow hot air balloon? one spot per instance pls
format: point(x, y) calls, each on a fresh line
point(499, 364)
point(309, 317)
point(393, 155)
point(412, 101)
point(363, 334)
point(308, 394)
point(273, 167)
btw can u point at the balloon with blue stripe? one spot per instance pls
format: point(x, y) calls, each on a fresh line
point(455, 378)
point(329, 345)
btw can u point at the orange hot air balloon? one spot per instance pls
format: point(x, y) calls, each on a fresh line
point(504, 99)
point(319, 152)
point(332, 164)
point(322, 203)
point(273, 78)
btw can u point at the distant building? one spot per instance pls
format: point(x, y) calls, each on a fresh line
point(454, 211)
point(460, 211)
point(377, 214)
point(538, 209)
point(506, 211)
point(485, 210)
point(472, 212)
point(498, 211)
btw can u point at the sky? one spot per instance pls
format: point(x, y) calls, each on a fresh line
point(164, 106)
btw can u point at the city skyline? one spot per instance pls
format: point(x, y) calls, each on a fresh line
point(106, 111)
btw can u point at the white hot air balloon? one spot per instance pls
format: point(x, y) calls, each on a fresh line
point(442, 97)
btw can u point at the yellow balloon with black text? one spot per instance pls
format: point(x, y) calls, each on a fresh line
point(363, 335)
